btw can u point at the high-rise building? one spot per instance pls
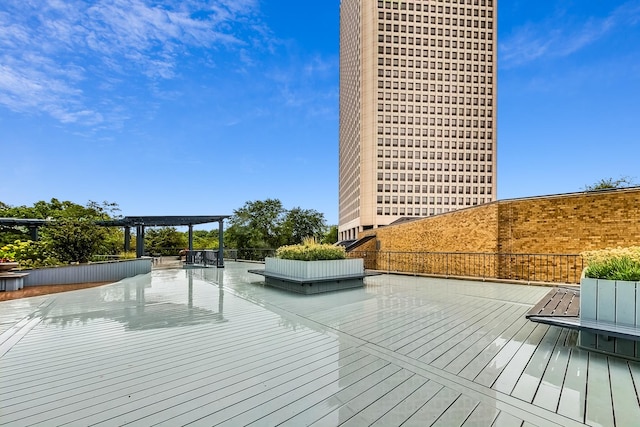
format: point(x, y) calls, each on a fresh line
point(417, 109)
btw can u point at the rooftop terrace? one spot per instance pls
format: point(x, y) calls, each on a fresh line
point(214, 346)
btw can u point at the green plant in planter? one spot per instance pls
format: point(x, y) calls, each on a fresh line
point(311, 250)
point(613, 264)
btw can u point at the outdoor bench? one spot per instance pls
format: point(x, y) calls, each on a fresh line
point(561, 307)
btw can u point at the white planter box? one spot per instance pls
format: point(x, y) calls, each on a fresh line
point(614, 302)
point(312, 277)
point(314, 269)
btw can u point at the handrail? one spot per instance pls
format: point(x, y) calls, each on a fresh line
point(552, 268)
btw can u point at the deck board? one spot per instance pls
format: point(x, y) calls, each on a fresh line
point(508, 378)
point(482, 415)
point(548, 394)
point(382, 406)
point(482, 362)
point(434, 409)
point(473, 340)
point(217, 347)
point(572, 402)
point(529, 381)
point(599, 410)
point(623, 393)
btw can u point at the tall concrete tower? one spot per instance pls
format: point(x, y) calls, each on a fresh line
point(417, 109)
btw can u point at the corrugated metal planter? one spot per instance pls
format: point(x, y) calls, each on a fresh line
point(9, 280)
point(88, 273)
point(311, 277)
point(610, 301)
point(8, 266)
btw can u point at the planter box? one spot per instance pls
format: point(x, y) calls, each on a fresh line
point(312, 277)
point(12, 281)
point(86, 273)
point(610, 302)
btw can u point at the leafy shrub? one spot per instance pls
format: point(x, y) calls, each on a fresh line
point(29, 254)
point(310, 250)
point(614, 264)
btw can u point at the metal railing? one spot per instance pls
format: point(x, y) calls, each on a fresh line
point(202, 257)
point(249, 254)
point(553, 268)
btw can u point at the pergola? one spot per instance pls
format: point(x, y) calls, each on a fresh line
point(141, 222)
point(30, 223)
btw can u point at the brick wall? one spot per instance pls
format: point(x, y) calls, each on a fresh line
point(560, 224)
point(467, 230)
point(570, 223)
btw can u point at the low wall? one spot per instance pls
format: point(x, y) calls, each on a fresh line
point(87, 273)
point(556, 224)
point(514, 235)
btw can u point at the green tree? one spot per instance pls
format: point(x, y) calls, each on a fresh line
point(607, 183)
point(257, 224)
point(331, 236)
point(71, 222)
point(203, 239)
point(75, 239)
point(300, 223)
point(164, 240)
point(29, 254)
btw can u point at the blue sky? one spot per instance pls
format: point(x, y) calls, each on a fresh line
point(172, 107)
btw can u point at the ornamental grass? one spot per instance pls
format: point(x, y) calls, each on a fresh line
point(311, 250)
point(613, 264)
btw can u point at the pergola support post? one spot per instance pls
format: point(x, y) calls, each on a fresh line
point(139, 241)
point(127, 239)
point(220, 244)
point(33, 231)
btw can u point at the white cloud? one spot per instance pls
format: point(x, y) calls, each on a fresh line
point(52, 52)
point(557, 37)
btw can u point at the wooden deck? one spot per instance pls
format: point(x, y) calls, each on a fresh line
point(215, 347)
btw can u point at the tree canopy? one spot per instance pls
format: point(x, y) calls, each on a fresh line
point(266, 224)
point(607, 183)
point(164, 240)
point(75, 237)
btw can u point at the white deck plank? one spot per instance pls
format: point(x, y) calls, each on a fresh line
point(448, 351)
point(211, 346)
point(450, 320)
point(548, 394)
point(382, 406)
point(470, 339)
point(195, 392)
point(349, 409)
point(625, 401)
point(507, 420)
point(574, 389)
point(438, 405)
point(530, 378)
point(328, 399)
point(457, 413)
point(486, 367)
point(437, 346)
point(482, 415)
point(511, 374)
point(247, 406)
point(408, 407)
point(599, 409)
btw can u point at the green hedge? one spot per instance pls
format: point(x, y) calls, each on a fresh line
point(614, 264)
point(311, 252)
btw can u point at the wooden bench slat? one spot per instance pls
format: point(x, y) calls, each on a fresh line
point(550, 307)
point(541, 304)
point(559, 302)
point(570, 304)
